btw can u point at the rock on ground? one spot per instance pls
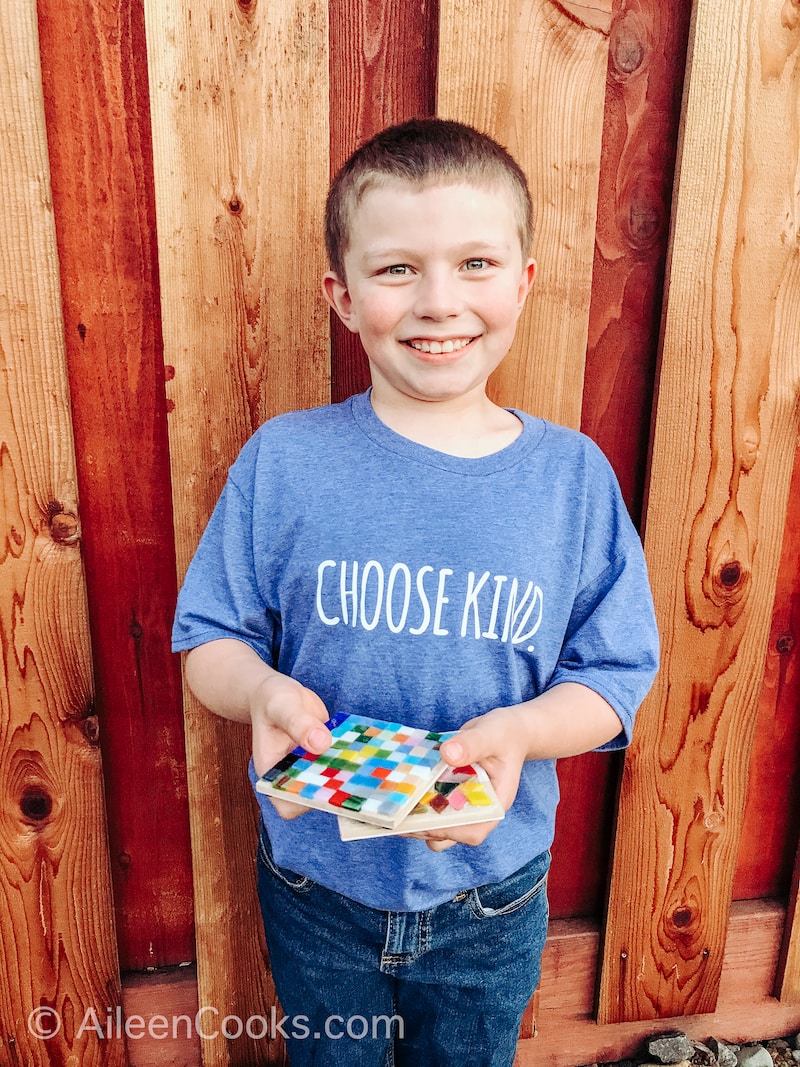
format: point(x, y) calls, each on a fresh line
point(673, 1048)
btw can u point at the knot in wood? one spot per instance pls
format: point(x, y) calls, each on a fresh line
point(713, 820)
point(644, 219)
point(36, 804)
point(64, 526)
point(785, 644)
point(730, 574)
point(90, 728)
point(627, 52)
point(682, 917)
point(627, 47)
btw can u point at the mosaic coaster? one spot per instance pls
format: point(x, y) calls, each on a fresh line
point(460, 796)
point(374, 771)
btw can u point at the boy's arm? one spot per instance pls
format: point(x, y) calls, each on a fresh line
point(566, 720)
point(230, 678)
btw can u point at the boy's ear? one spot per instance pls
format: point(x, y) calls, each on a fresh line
point(526, 281)
point(337, 294)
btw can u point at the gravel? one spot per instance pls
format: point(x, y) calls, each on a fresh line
point(676, 1049)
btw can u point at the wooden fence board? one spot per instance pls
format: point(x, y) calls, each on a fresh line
point(532, 74)
point(724, 441)
point(647, 49)
point(566, 1032)
point(781, 696)
point(647, 54)
point(771, 824)
point(383, 71)
point(95, 80)
point(239, 97)
point(787, 980)
point(563, 1031)
point(56, 913)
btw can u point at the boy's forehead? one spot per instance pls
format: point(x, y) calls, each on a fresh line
point(389, 187)
point(377, 197)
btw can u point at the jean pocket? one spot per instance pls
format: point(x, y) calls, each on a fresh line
point(513, 893)
point(291, 879)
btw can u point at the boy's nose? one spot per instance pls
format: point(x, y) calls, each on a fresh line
point(437, 298)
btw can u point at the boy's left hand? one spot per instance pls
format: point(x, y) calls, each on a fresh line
point(494, 740)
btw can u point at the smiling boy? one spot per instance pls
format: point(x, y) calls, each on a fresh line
point(419, 554)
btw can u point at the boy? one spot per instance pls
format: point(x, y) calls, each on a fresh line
point(420, 555)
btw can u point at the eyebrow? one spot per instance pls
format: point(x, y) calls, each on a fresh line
point(469, 250)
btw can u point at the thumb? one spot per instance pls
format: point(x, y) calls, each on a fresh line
point(471, 744)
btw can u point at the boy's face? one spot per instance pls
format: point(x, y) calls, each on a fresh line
point(436, 281)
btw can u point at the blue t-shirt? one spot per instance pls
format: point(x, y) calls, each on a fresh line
point(406, 584)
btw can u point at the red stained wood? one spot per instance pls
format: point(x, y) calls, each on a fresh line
point(647, 53)
point(95, 81)
point(724, 443)
point(772, 814)
point(579, 871)
point(382, 71)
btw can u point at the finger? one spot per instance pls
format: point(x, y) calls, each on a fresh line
point(301, 715)
point(472, 835)
point(286, 809)
point(468, 746)
point(439, 845)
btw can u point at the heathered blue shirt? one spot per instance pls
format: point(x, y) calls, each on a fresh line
point(410, 585)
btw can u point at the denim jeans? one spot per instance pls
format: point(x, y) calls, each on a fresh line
point(366, 988)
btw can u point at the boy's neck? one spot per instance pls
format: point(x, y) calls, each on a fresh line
point(469, 427)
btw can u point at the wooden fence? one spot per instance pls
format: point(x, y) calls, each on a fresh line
point(163, 168)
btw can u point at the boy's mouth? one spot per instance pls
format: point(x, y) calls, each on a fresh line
point(436, 348)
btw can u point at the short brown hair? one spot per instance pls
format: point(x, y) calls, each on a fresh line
point(422, 152)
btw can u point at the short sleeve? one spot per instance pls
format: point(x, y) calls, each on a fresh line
point(220, 596)
point(611, 642)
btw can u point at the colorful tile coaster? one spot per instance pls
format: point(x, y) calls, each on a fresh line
point(374, 771)
point(459, 797)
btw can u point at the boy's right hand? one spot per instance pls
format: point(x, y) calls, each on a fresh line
point(283, 715)
point(231, 679)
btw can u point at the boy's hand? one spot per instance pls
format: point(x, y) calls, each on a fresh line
point(285, 714)
point(495, 741)
point(567, 719)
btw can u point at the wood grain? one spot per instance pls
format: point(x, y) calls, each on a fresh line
point(566, 1032)
point(532, 74)
point(562, 1031)
point(647, 48)
point(772, 827)
point(56, 911)
point(382, 71)
point(95, 80)
point(787, 979)
point(239, 97)
point(647, 53)
point(771, 823)
point(724, 442)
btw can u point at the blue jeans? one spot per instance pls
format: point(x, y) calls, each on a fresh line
point(367, 988)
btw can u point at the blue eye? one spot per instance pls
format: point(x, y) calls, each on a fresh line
point(476, 264)
point(397, 269)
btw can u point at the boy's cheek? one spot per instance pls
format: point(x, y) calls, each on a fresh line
point(378, 320)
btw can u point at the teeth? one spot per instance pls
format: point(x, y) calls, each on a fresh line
point(437, 347)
